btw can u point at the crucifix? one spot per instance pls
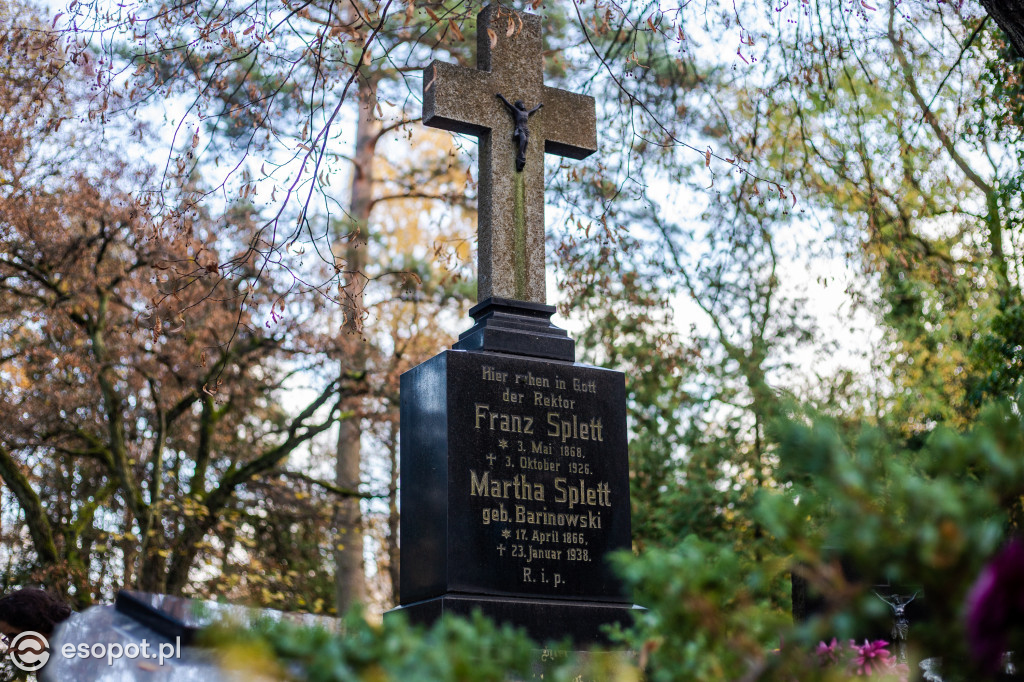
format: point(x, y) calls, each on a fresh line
point(510, 68)
point(900, 622)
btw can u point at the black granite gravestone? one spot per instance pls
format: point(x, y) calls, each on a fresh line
point(515, 481)
point(515, 486)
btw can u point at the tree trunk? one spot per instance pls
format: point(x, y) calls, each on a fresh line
point(1010, 17)
point(39, 528)
point(393, 555)
point(350, 581)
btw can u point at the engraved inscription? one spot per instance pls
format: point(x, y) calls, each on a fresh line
point(574, 429)
point(544, 477)
point(518, 488)
point(501, 421)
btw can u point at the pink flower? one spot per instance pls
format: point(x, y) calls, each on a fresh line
point(828, 654)
point(872, 657)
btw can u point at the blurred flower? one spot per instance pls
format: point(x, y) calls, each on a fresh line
point(995, 605)
point(872, 657)
point(828, 654)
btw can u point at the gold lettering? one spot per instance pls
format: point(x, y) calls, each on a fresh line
point(490, 375)
point(536, 464)
point(498, 513)
point(534, 553)
point(559, 490)
point(518, 487)
point(581, 494)
point(547, 400)
point(531, 380)
point(553, 424)
point(566, 429)
point(584, 386)
point(545, 518)
point(501, 421)
point(478, 486)
point(539, 447)
point(510, 396)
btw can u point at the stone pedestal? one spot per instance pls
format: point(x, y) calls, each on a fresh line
point(545, 619)
point(516, 327)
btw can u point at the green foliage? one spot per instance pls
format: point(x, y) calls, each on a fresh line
point(707, 617)
point(931, 517)
point(1000, 356)
point(455, 650)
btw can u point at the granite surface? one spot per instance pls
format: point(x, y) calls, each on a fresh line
point(511, 256)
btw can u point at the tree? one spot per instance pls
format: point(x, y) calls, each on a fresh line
point(255, 76)
point(127, 427)
point(899, 148)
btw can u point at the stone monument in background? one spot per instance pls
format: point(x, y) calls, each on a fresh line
point(515, 481)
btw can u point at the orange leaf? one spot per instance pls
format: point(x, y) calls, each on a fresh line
point(493, 36)
point(707, 158)
point(431, 13)
point(455, 29)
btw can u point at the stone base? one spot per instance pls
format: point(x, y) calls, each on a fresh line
point(543, 619)
point(518, 327)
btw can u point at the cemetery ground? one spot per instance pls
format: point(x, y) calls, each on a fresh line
point(270, 338)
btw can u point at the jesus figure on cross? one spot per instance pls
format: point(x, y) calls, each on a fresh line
point(521, 133)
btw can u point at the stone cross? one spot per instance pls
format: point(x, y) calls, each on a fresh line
point(509, 62)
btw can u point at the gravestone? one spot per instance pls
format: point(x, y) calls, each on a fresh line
point(515, 481)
